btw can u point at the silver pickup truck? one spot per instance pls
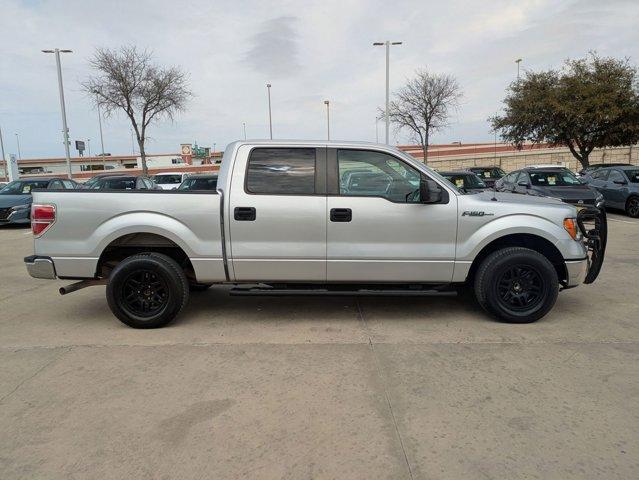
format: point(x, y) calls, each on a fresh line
point(316, 218)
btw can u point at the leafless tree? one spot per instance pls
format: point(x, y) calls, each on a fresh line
point(424, 105)
point(128, 80)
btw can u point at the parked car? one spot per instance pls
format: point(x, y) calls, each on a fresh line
point(488, 175)
point(169, 180)
point(595, 166)
point(555, 182)
point(199, 182)
point(123, 182)
point(93, 180)
point(281, 223)
point(465, 180)
point(619, 187)
point(16, 198)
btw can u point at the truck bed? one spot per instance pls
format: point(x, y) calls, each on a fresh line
point(87, 221)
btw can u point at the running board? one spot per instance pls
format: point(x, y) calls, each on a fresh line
point(281, 292)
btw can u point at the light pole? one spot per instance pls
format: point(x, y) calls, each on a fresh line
point(89, 146)
point(270, 119)
point(518, 61)
point(244, 128)
point(387, 43)
point(4, 159)
point(65, 129)
point(18, 142)
point(100, 124)
point(214, 147)
point(328, 120)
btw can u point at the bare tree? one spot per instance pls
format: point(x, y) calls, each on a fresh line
point(424, 105)
point(128, 80)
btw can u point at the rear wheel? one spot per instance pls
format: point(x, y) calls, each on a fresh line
point(516, 285)
point(147, 290)
point(632, 207)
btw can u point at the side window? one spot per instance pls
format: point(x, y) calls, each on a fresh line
point(615, 176)
point(68, 184)
point(281, 171)
point(141, 184)
point(368, 173)
point(54, 184)
point(522, 177)
point(510, 178)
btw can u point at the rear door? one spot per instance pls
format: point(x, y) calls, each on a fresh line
point(377, 229)
point(277, 214)
point(615, 193)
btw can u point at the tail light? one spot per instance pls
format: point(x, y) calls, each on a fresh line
point(42, 217)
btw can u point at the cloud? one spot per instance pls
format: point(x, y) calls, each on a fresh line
point(275, 51)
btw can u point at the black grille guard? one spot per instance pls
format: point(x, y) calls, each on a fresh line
point(593, 224)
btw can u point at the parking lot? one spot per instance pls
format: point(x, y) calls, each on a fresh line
point(320, 387)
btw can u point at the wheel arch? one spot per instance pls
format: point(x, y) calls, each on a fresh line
point(526, 240)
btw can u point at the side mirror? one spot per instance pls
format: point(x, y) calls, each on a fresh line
point(429, 191)
point(620, 182)
point(524, 184)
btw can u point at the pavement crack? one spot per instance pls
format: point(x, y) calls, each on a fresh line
point(380, 373)
point(34, 374)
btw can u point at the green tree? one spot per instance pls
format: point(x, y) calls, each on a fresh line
point(588, 103)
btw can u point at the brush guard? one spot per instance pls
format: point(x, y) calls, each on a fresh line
point(593, 224)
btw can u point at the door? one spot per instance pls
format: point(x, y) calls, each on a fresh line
point(277, 214)
point(377, 229)
point(615, 190)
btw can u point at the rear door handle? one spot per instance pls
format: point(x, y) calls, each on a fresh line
point(244, 214)
point(341, 214)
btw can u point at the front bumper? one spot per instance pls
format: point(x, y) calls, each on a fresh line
point(576, 272)
point(40, 267)
point(16, 216)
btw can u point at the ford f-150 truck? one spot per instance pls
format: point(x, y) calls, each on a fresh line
point(315, 218)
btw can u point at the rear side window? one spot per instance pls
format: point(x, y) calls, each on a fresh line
point(281, 171)
point(600, 174)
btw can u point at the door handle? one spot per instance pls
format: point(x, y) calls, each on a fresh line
point(244, 214)
point(341, 214)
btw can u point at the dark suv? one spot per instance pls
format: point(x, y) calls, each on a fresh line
point(619, 187)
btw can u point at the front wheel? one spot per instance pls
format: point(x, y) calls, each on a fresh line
point(632, 207)
point(516, 285)
point(147, 290)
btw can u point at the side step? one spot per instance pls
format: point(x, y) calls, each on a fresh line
point(387, 292)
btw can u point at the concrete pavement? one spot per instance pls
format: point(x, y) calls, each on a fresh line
point(320, 387)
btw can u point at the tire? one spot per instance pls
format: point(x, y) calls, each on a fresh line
point(632, 207)
point(199, 287)
point(516, 285)
point(164, 290)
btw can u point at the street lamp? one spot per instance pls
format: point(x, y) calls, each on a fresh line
point(100, 124)
point(4, 159)
point(18, 142)
point(328, 120)
point(387, 43)
point(244, 128)
point(270, 120)
point(65, 129)
point(518, 61)
point(89, 146)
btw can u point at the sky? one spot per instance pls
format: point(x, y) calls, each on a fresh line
point(309, 51)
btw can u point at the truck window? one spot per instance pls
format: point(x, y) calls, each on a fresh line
point(368, 173)
point(281, 171)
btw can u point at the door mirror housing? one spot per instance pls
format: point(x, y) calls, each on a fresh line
point(620, 182)
point(429, 191)
point(524, 184)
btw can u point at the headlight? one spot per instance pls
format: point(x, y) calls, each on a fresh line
point(599, 201)
point(20, 207)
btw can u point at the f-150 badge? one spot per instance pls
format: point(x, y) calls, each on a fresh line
point(476, 213)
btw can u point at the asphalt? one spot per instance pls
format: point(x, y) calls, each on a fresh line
point(306, 388)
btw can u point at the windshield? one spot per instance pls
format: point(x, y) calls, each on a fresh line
point(209, 183)
point(562, 178)
point(167, 179)
point(464, 180)
point(633, 175)
point(19, 187)
point(488, 172)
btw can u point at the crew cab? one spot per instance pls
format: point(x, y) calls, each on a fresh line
point(316, 218)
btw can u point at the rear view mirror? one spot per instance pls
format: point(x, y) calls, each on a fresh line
point(429, 191)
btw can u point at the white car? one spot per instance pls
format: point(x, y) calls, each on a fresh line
point(169, 180)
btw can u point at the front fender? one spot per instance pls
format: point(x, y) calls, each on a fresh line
point(470, 245)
